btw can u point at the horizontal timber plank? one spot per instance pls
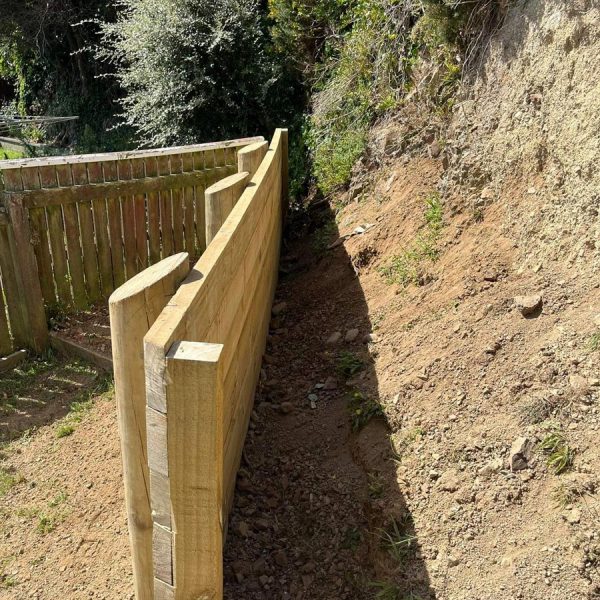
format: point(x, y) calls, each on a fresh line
point(83, 158)
point(70, 348)
point(110, 189)
point(8, 363)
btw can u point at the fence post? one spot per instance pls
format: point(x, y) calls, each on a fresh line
point(27, 272)
point(134, 307)
point(285, 178)
point(188, 560)
point(250, 157)
point(220, 198)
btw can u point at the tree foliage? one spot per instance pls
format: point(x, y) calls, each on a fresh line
point(195, 70)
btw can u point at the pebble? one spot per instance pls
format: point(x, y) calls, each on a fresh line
point(279, 308)
point(334, 338)
point(351, 335)
point(286, 408)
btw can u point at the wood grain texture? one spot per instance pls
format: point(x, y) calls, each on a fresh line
point(250, 157)
point(133, 309)
point(224, 302)
point(220, 198)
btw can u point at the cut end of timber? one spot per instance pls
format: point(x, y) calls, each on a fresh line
point(148, 277)
point(253, 148)
point(230, 181)
point(195, 351)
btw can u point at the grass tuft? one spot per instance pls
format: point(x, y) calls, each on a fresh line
point(559, 453)
point(349, 364)
point(362, 410)
point(399, 544)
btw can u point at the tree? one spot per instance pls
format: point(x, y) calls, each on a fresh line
point(194, 70)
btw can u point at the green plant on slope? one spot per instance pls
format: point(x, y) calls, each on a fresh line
point(399, 544)
point(559, 453)
point(349, 364)
point(594, 342)
point(362, 410)
point(408, 267)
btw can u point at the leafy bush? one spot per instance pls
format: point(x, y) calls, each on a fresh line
point(195, 70)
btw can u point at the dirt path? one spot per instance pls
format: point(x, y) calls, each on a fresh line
point(317, 493)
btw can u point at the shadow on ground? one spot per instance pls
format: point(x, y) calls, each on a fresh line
point(318, 513)
point(41, 391)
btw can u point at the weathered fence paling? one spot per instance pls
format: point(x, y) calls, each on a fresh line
point(83, 225)
point(202, 360)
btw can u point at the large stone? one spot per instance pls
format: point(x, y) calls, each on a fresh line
point(521, 452)
point(529, 305)
point(334, 338)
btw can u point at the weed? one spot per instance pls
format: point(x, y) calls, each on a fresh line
point(362, 410)
point(538, 410)
point(399, 545)
point(594, 342)
point(8, 480)
point(386, 590)
point(433, 212)
point(569, 492)
point(7, 581)
point(376, 485)
point(46, 524)
point(349, 364)
point(351, 539)
point(559, 453)
point(59, 499)
point(64, 430)
point(408, 266)
point(323, 236)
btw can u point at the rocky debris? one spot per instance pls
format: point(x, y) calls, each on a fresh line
point(243, 529)
point(491, 468)
point(351, 335)
point(370, 338)
point(521, 453)
point(529, 305)
point(279, 308)
point(334, 338)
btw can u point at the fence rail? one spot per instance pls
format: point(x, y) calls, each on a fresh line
point(202, 359)
point(80, 226)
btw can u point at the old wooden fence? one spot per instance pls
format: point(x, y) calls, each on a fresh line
point(187, 350)
point(73, 229)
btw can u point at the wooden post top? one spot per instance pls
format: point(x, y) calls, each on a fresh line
point(227, 182)
point(148, 277)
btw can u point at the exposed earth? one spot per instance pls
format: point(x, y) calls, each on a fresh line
point(427, 419)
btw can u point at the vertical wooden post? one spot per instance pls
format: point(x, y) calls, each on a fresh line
point(133, 309)
point(27, 271)
point(188, 560)
point(221, 197)
point(250, 157)
point(285, 177)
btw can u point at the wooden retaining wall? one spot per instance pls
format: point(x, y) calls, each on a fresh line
point(202, 361)
point(80, 226)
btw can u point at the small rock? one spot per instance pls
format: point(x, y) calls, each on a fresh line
point(243, 529)
point(286, 408)
point(334, 338)
point(435, 149)
point(528, 305)
point(370, 338)
point(279, 308)
point(520, 454)
point(313, 397)
point(453, 561)
point(572, 516)
point(494, 466)
point(351, 335)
